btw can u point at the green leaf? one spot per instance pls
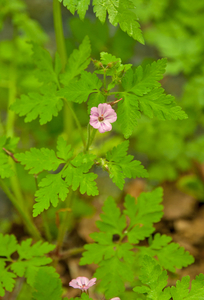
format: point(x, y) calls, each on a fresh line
point(77, 62)
point(47, 285)
point(170, 255)
point(122, 13)
point(121, 165)
point(31, 257)
point(28, 251)
point(113, 273)
point(94, 100)
point(97, 252)
point(9, 144)
point(128, 113)
point(5, 168)
point(145, 80)
point(8, 245)
point(76, 174)
point(37, 160)
point(45, 72)
point(112, 221)
point(81, 6)
point(43, 104)
point(142, 93)
point(156, 103)
point(79, 91)
point(51, 189)
point(143, 214)
point(6, 279)
point(64, 151)
point(181, 291)
point(151, 274)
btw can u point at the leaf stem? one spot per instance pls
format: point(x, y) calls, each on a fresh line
point(68, 121)
point(59, 35)
point(90, 137)
point(77, 121)
point(26, 218)
point(64, 226)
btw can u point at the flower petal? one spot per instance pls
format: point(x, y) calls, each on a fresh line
point(94, 111)
point(105, 126)
point(102, 108)
point(92, 282)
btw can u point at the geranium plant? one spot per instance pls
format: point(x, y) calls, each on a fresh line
point(72, 104)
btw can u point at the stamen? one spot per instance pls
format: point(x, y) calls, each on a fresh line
point(100, 119)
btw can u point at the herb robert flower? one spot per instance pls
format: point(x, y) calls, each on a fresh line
point(102, 116)
point(82, 283)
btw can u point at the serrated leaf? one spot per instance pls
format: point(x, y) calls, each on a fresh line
point(170, 255)
point(51, 189)
point(63, 150)
point(8, 245)
point(6, 279)
point(79, 91)
point(43, 61)
point(128, 113)
point(77, 62)
point(26, 250)
point(121, 165)
point(173, 256)
point(156, 103)
point(47, 285)
point(43, 104)
point(37, 160)
point(97, 252)
point(181, 291)
point(76, 175)
point(151, 274)
point(31, 257)
point(81, 6)
point(5, 168)
point(112, 220)
point(143, 214)
point(113, 273)
point(146, 80)
point(121, 12)
point(94, 100)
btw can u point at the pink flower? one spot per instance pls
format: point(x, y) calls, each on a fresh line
point(82, 283)
point(116, 298)
point(102, 116)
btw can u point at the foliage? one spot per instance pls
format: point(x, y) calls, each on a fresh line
point(31, 258)
point(54, 92)
point(117, 260)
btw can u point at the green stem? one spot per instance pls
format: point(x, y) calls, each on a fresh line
point(10, 129)
point(104, 80)
point(71, 252)
point(46, 227)
point(26, 218)
point(68, 121)
point(64, 226)
point(59, 35)
point(77, 122)
point(90, 137)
